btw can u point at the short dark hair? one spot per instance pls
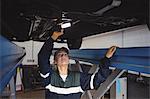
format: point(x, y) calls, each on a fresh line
point(62, 49)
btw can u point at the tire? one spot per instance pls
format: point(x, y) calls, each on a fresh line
point(74, 43)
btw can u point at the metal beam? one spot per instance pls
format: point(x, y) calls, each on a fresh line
point(108, 83)
point(131, 58)
point(11, 57)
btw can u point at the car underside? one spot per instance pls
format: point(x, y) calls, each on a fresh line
point(23, 20)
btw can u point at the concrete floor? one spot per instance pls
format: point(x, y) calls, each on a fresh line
point(34, 94)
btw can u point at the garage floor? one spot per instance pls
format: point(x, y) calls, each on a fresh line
point(34, 94)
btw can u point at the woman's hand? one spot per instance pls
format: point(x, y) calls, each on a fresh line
point(56, 34)
point(111, 51)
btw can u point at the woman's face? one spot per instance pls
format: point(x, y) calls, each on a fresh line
point(62, 58)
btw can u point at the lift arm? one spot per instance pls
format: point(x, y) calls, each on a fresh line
point(11, 56)
point(132, 58)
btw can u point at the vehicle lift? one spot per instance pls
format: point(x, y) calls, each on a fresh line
point(132, 58)
point(11, 57)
